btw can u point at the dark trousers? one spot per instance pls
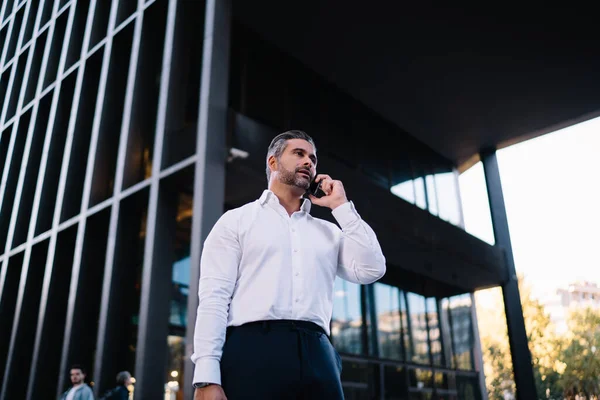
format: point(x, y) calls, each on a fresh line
point(280, 360)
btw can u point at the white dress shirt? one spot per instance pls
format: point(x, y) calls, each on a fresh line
point(259, 263)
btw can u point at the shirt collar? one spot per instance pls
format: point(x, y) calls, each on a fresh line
point(268, 196)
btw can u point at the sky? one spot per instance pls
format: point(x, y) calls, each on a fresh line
point(552, 193)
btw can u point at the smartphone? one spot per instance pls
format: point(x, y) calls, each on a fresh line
point(315, 189)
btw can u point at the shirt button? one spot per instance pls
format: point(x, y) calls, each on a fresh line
point(293, 230)
point(297, 300)
point(295, 250)
point(297, 274)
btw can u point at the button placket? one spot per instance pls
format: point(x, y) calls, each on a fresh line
point(296, 255)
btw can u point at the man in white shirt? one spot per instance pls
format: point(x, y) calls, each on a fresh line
point(80, 390)
point(266, 285)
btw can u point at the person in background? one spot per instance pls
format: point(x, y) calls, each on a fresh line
point(80, 390)
point(121, 391)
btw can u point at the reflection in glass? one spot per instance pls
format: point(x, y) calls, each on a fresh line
point(174, 376)
point(478, 219)
point(387, 305)
point(462, 331)
point(448, 197)
point(418, 322)
point(420, 193)
point(468, 388)
point(431, 195)
point(175, 387)
point(405, 190)
point(347, 322)
point(406, 339)
point(440, 380)
point(180, 292)
point(181, 265)
point(421, 378)
point(434, 332)
point(395, 382)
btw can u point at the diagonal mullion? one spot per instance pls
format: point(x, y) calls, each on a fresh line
point(2, 12)
point(29, 139)
point(87, 184)
point(145, 325)
point(7, 97)
point(42, 164)
point(118, 177)
point(53, 237)
point(25, 266)
point(8, 34)
point(15, 63)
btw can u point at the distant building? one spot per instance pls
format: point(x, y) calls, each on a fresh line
point(576, 295)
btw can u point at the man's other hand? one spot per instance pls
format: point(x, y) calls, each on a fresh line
point(210, 392)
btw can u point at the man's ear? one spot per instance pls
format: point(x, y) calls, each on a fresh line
point(272, 163)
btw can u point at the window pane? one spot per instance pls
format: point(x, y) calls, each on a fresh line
point(431, 195)
point(416, 307)
point(387, 304)
point(420, 193)
point(447, 335)
point(420, 378)
point(346, 322)
point(181, 265)
point(405, 327)
point(475, 202)
point(434, 332)
point(462, 331)
point(468, 388)
point(177, 192)
point(405, 190)
point(448, 199)
point(395, 382)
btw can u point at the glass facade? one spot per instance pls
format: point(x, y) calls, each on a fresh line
point(423, 346)
point(97, 152)
point(98, 135)
point(347, 322)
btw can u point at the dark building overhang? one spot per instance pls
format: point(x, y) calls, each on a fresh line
point(458, 79)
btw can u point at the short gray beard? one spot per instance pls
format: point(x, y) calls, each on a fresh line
point(290, 178)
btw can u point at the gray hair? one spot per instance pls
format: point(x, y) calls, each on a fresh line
point(122, 377)
point(279, 143)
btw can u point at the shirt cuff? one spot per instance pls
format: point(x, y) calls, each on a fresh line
point(345, 214)
point(207, 370)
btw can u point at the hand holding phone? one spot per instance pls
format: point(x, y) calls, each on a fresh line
point(326, 192)
point(315, 189)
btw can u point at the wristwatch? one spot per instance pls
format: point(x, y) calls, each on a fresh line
point(200, 385)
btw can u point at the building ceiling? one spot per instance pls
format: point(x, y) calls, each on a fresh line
point(458, 79)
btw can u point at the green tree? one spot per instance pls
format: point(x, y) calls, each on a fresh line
point(580, 355)
point(497, 363)
point(543, 344)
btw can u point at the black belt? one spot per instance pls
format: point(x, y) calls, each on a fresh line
point(279, 324)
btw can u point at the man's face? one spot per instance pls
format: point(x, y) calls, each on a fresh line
point(77, 376)
point(297, 165)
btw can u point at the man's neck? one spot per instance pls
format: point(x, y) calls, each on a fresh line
point(289, 197)
point(76, 385)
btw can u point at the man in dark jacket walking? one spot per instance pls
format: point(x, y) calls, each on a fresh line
point(120, 392)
